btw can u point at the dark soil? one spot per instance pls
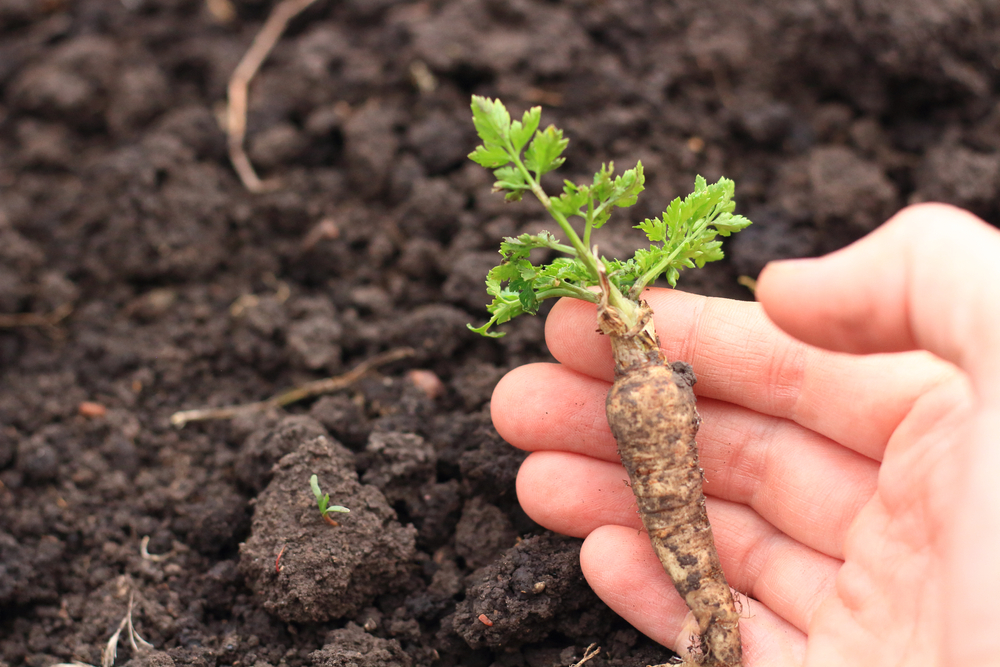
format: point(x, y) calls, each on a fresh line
point(117, 201)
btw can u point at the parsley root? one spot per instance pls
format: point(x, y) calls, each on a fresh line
point(651, 411)
point(651, 406)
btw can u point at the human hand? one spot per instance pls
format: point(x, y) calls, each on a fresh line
point(853, 498)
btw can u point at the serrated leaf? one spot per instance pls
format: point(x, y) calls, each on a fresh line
point(525, 294)
point(728, 224)
point(502, 272)
point(518, 247)
point(490, 158)
point(543, 153)
point(509, 179)
point(685, 236)
point(603, 184)
point(491, 119)
point(573, 198)
point(656, 229)
point(522, 131)
point(568, 269)
point(688, 231)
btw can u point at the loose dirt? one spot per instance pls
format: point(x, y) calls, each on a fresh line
point(118, 202)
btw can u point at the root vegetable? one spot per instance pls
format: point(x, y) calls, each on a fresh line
point(652, 414)
point(651, 405)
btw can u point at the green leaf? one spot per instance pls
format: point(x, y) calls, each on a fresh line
point(521, 131)
point(491, 119)
point(567, 269)
point(510, 180)
point(573, 198)
point(729, 223)
point(656, 229)
point(685, 236)
point(494, 156)
point(543, 154)
point(621, 192)
point(503, 272)
point(515, 248)
point(687, 231)
point(525, 294)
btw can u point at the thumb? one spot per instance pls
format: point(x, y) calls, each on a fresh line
point(927, 279)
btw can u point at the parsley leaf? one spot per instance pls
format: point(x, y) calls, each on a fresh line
point(685, 236)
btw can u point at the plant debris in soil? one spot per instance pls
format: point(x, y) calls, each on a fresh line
point(139, 278)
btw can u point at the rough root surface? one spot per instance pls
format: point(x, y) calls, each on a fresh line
point(652, 415)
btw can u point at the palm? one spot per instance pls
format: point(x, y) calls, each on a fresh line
point(819, 469)
point(893, 550)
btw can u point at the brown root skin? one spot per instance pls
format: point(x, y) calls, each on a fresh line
point(651, 410)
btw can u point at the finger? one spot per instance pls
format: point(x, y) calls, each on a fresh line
point(620, 566)
point(924, 280)
point(741, 357)
point(548, 406)
point(801, 482)
point(574, 495)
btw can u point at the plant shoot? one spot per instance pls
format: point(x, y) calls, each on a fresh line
point(651, 406)
point(323, 502)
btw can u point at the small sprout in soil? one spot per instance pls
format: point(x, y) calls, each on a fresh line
point(323, 502)
point(651, 406)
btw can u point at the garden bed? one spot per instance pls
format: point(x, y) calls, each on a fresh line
point(139, 277)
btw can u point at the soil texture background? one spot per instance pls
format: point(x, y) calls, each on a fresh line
point(175, 288)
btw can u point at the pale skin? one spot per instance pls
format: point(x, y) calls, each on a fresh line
point(850, 442)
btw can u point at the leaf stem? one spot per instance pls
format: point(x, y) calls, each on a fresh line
point(589, 221)
point(568, 289)
point(627, 307)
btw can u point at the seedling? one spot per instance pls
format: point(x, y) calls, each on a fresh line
point(323, 502)
point(651, 406)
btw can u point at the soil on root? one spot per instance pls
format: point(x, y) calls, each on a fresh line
point(117, 201)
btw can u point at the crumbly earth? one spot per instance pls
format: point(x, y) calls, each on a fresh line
point(119, 207)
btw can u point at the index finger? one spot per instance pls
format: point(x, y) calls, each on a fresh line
point(741, 357)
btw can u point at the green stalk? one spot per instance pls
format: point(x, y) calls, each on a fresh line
point(627, 308)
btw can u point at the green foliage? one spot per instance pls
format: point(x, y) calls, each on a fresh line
point(683, 237)
point(686, 233)
point(323, 499)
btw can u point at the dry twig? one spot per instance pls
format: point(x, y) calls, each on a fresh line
point(307, 390)
point(239, 83)
point(51, 319)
